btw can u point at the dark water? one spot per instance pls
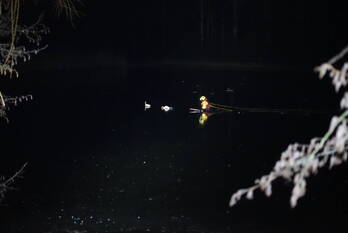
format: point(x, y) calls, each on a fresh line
point(97, 162)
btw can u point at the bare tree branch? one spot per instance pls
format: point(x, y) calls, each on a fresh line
point(5, 183)
point(299, 162)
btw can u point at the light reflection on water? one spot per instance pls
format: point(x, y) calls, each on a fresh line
point(101, 163)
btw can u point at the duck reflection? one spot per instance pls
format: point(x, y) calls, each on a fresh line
point(209, 109)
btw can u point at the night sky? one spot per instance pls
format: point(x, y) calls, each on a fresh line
point(97, 162)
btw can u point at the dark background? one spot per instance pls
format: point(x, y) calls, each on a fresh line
point(98, 163)
point(261, 32)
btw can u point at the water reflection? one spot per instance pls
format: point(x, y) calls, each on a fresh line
point(209, 109)
point(104, 164)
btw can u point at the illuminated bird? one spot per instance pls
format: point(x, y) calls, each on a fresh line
point(204, 103)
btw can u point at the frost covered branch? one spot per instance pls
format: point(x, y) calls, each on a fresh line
point(299, 161)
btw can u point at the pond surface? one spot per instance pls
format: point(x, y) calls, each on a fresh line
point(97, 162)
